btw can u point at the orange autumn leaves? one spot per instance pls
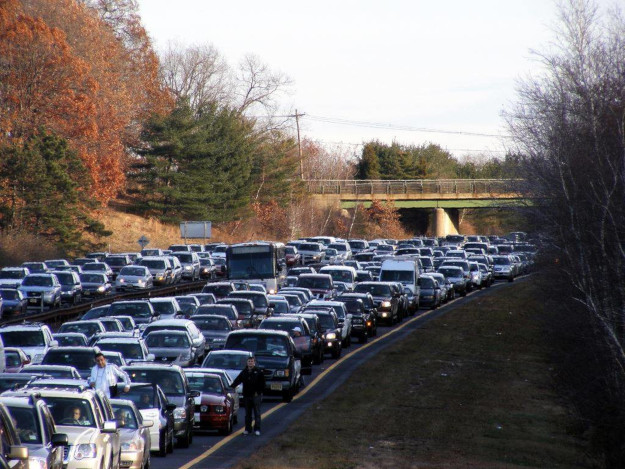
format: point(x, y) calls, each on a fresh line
point(62, 68)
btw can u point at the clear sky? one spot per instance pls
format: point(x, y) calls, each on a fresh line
point(405, 64)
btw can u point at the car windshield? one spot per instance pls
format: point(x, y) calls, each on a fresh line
point(259, 344)
point(340, 275)
point(136, 310)
point(205, 384)
point(65, 278)
point(55, 372)
point(71, 411)
point(37, 281)
point(225, 310)
point(293, 300)
point(310, 247)
point(87, 328)
point(11, 274)
point(167, 340)
point(164, 307)
point(111, 325)
point(156, 264)
point(281, 307)
point(133, 271)
point(217, 290)
point(81, 360)
point(124, 416)
point(426, 282)
point(317, 283)
point(116, 261)
point(374, 289)
point(286, 326)
point(70, 341)
point(170, 381)
point(397, 275)
point(226, 361)
point(12, 383)
point(9, 294)
point(144, 397)
point(260, 301)
point(187, 258)
point(93, 278)
point(244, 308)
point(129, 351)
point(23, 338)
point(450, 272)
point(501, 260)
point(96, 267)
point(212, 324)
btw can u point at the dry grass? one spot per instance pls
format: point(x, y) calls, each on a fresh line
point(472, 389)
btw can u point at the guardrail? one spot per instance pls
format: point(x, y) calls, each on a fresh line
point(416, 186)
point(61, 315)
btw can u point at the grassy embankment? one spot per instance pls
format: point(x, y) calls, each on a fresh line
point(472, 389)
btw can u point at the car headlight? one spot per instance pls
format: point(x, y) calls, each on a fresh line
point(219, 409)
point(140, 282)
point(180, 413)
point(272, 291)
point(204, 408)
point(282, 373)
point(101, 289)
point(48, 294)
point(122, 280)
point(331, 336)
point(384, 314)
point(134, 445)
point(85, 451)
point(386, 304)
point(37, 463)
point(188, 267)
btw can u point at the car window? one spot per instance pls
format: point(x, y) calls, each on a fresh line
point(205, 384)
point(169, 380)
point(72, 411)
point(26, 424)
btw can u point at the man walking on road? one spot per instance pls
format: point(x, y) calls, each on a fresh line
point(253, 381)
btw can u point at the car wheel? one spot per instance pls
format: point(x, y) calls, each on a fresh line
point(184, 441)
point(162, 445)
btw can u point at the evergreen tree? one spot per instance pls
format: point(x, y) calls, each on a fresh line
point(45, 190)
point(369, 164)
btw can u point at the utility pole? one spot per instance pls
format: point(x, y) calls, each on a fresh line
point(299, 145)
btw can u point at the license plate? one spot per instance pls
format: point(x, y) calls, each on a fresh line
point(33, 301)
point(197, 417)
point(276, 386)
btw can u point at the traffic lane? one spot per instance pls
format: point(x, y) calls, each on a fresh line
point(203, 441)
point(227, 451)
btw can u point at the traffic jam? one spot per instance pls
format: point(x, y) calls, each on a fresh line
point(132, 379)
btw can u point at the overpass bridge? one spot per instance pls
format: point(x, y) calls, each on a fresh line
point(443, 196)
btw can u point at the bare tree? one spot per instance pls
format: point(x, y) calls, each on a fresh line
point(258, 87)
point(570, 124)
point(198, 73)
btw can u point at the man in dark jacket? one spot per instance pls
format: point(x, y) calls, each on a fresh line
point(253, 381)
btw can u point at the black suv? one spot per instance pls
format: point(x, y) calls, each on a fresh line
point(276, 354)
point(369, 305)
point(300, 333)
point(174, 384)
point(385, 298)
point(363, 322)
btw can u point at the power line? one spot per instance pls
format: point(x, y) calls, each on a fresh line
point(474, 150)
point(381, 125)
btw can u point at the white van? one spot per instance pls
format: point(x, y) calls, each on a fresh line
point(404, 270)
point(341, 273)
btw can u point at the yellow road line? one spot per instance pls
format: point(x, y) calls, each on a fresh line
point(314, 382)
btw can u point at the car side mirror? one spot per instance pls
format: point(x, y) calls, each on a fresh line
point(54, 343)
point(110, 426)
point(171, 407)
point(59, 439)
point(150, 357)
point(18, 452)
point(147, 423)
point(194, 393)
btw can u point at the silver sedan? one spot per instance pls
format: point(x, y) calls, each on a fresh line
point(134, 434)
point(134, 277)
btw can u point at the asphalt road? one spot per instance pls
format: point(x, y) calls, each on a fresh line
point(213, 451)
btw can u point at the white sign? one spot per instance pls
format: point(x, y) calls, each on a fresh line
point(195, 229)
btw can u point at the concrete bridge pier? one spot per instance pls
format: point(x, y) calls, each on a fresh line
point(446, 221)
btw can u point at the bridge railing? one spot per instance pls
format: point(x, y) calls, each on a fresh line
point(415, 186)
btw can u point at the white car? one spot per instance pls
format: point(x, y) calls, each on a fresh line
point(92, 432)
point(134, 277)
point(34, 339)
point(12, 276)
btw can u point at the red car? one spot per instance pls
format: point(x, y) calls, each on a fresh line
point(16, 359)
point(292, 256)
point(215, 403)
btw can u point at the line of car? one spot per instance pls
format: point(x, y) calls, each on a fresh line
point(182, 354)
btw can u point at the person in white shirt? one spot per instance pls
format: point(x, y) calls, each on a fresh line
point(105, 377)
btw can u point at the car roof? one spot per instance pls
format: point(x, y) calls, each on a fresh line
point(171, 322)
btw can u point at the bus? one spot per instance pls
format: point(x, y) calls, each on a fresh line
point(258, 262)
